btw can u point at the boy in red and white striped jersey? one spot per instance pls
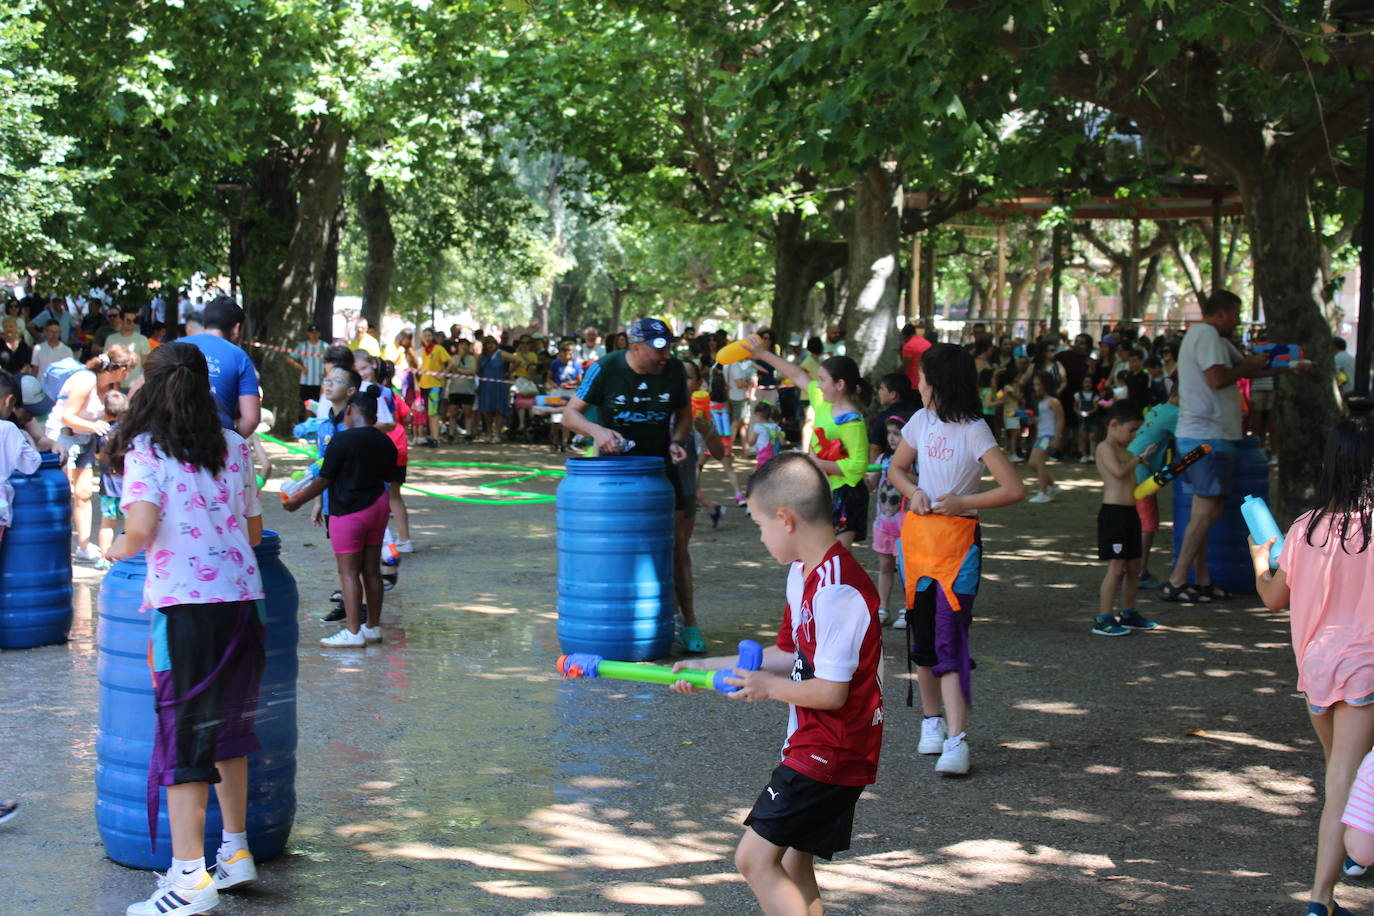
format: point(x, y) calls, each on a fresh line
point(827, 666)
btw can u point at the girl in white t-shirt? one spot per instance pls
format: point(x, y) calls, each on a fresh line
point(941, 542)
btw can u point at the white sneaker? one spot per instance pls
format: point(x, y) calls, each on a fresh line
point(933, 734)
point(954, 759)
point(1041, 497)
point(89, 554)
point(1016, 459)
point(404, 547)
point(1087, 459)
point(345, 640)
point(882, 615)
point(900, 622)
point(234, 870)
point(1056, 489)
point(174, 899)
point(370, 634)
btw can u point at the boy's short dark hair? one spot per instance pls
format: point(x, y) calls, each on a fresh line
point(338, 355)
point(898, 384)
point(763, 410)
point(1154, 362)
point(1123, 412)
point(9, 385)
point(792, 480)
point(366, 402)
point(222, 314)
point(354, 379)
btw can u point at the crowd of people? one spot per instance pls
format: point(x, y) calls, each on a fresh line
point(168, 429)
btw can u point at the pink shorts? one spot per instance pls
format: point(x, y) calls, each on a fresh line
point(1148, 510)
point(886, 530)
point(355, 531)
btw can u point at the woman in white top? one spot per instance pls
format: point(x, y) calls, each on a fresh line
point(76, 423)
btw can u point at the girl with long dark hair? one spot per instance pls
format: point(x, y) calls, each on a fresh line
point(942, 543)
point(1326, 575)
point(190, 502)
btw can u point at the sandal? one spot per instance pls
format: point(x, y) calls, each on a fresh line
point(1184, 594)
point(692, 640)
point(1213, 592)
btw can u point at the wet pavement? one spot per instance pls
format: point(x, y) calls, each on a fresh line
point(450, 770)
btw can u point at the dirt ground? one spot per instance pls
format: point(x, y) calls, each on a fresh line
point(450, 770)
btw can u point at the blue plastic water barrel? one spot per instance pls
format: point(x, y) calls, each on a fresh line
point(124, 742)
point(1228, 556)
point(36, 560)
point(615, 558)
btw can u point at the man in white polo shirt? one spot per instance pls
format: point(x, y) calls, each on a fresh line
point(1209, 365)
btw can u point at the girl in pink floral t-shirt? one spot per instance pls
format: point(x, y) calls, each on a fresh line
point(1326, 575)
point(191, 506)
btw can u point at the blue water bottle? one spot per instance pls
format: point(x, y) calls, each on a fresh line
point(1262, 526)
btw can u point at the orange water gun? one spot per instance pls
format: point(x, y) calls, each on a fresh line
point(701, 404)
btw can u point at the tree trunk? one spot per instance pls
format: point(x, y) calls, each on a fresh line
point(928, 266)
point(374, 213)
point(318, 180)
point(874, 251)
point(617, 305)
point(329, 279)
point(798, 265)
point(1149, 279)
point(1285, 269)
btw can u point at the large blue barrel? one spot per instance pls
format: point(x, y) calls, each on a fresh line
point(36, 560)
point(615, 558)
point(124, 743)
point(1228, 555)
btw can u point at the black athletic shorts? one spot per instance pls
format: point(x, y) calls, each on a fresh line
point(400, 475)
point(800, 813)
point(1118, 533)
point(850, 511)
point(461, 400)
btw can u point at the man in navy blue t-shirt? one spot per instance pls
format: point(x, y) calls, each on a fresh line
point(233, 379)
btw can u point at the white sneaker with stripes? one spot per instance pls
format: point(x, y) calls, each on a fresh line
point(234, 869)
point(172, 898)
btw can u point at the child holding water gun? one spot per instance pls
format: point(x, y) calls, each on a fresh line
point(1325, 576)
point(887, 524)
point(841, 446)
point(1118, 524)
point(942, 549)
point(765, 436)
point(827, 666)
point(357, 469)
point(1156, 432)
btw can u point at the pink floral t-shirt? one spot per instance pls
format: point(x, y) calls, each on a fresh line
point(200, 552)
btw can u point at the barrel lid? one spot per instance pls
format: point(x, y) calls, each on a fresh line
point(615, 464)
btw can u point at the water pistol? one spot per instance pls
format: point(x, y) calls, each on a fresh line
point(299, 481)
point(828, 449)
point(1280, 356)
point(1262, 526)
point(551, 400)
point(1154, 483)
point(701, 404)
point(586, 664)
point(734, 352)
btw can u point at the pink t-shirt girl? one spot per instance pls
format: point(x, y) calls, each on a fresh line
point(1331, 618)
point(200, 552)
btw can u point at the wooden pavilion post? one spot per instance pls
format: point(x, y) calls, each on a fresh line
point(1057, 240)
point(1218, 265)
point(913, 298)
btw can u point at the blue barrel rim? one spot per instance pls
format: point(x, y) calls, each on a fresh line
point(605, 465)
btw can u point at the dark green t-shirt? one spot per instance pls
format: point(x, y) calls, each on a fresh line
point(639, 407)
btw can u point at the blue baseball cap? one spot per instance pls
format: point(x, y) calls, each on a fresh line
point(651, 331)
